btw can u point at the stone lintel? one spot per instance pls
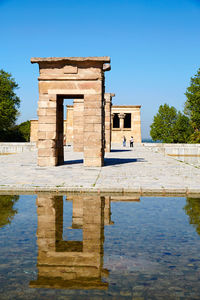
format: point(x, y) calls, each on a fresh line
point(102, 59)
point(126, 106)
point(78, 101)
point(71, 93)
point(68, 77)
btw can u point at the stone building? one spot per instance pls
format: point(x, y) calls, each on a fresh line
point(81, 79)
point(125, 122)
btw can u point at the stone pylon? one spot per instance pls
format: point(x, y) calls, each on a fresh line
point(71, 78)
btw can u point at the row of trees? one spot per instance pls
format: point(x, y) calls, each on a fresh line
point(172, 126)
point(9, 105)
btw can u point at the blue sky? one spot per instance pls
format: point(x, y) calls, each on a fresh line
point(154, 46)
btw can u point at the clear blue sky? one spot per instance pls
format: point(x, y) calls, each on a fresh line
point(154, 46)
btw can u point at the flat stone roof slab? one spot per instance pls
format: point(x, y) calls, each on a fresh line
point(103, 59)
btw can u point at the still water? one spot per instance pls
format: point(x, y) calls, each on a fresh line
point(94, 247)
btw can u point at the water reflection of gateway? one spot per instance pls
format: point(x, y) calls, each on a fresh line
point(72, 264)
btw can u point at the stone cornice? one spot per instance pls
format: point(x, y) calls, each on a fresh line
point(126, 106)
point(103, 59)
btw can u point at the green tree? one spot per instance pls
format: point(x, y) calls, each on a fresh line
point(24, 129)
point(195, 137)
point(192, 209)
point(7, 211)
point(170, 126)
point(182, 129)
point(192, 104)
point(18, 133)
point(9, 103)
point(162, 128)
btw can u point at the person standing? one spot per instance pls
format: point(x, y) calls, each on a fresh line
point(131, 142)
point(124, 141)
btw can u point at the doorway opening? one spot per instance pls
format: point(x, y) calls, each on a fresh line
point(116, 121)
point(63, 115)
point(127, 121)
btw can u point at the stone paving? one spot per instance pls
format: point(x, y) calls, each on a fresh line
point(137, 170)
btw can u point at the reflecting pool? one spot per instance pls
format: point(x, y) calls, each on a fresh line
point(89, 246)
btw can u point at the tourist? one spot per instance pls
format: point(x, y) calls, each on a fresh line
point(64, 140)
point(131, 142)
point(124, 141)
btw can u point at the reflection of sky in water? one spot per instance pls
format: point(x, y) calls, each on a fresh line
point(151, 251)
point(192, 160)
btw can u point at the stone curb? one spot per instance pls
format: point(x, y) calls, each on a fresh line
point(137, 190)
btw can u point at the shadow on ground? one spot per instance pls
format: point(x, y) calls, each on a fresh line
point(120, 161)
point(73, 162)
point(120, 150)
point(108, 161)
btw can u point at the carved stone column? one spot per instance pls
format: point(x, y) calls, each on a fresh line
point(112, 117)
point(78, 125)
point(108, 127)
point(121, 120)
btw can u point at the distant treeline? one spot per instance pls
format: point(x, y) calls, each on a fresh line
point(9, 111)
point(150, 141)
point(172, 126)
point(16, 133)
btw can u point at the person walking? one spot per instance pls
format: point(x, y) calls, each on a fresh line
point(124, 141)
point(131, 142)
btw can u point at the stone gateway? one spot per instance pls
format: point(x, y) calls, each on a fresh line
point(80, 78)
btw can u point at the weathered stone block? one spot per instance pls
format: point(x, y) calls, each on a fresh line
point(45, 144)
point(93, 152)
point(47, 161)
point(47, 127)
point(92, 112)
point(47, 104)
point(90, 86)
point(51, 135)
point(70, 70)
point(93, 162)
point(42, 112)
point(48, 152)
point(94, 120)
point(47, 119)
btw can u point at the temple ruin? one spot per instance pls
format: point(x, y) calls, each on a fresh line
point(120, 121)
point(79, 78)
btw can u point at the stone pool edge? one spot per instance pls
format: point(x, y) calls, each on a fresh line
point(163, 191)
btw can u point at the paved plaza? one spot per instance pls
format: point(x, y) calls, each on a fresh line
point(136, 170)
